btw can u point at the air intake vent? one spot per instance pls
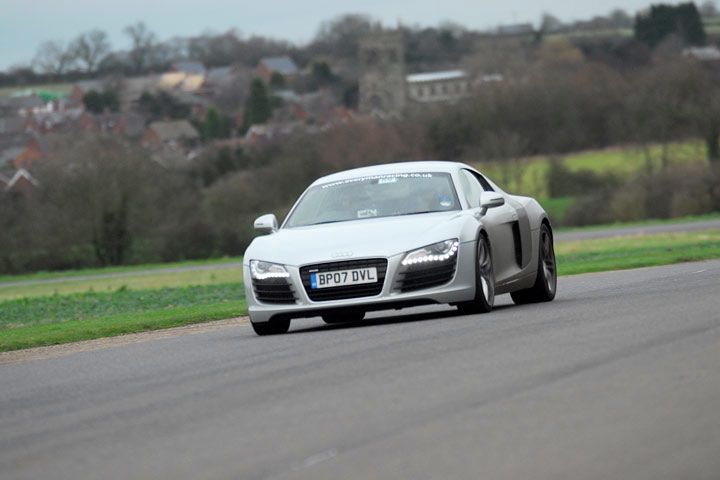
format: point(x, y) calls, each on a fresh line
point(427, 275)
point(273, 290)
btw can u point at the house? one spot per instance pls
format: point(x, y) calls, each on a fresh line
point(446, 86)
point(170, 133)
point(518, 29)
point(218, 75)
point(188, 68)
point(33, 151)
point(284, 66)
point(22, 182)
point(710, 53)
point(23, 105)
point(133, 88)
point(8, 155)
point(185, 82)
point(81, 88)
point(12, 125)
point(129, 124)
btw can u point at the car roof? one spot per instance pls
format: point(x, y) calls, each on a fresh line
point(391, 168)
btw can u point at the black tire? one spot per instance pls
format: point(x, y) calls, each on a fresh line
point(546, 280)
point(343, 317)
point(484, 280)
point(273, 327)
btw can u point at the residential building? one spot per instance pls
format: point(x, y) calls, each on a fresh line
point(709, 53)
point(518, 29)
point(446, 86)
point(189, 67)
point(21, 182)
point(284, 66)
point(23, 106)
point(173, 133)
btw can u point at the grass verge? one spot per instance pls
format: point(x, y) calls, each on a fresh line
point(77, 330)
point(138, 279)
point(621, 253)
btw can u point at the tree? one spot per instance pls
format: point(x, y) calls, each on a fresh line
point(341, 35)
point(277, 81)
point(663, 20)
point(90, 48)
point(98, 102)
point(257, 107)
point(54, 58)
point(708, 9)
point(322, 74)
point(215, 125)
point(620, 18)
point(162, 106)
point(143, 41)
point(101, 195)
point(550, 23)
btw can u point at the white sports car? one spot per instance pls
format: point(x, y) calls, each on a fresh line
point(394, 236)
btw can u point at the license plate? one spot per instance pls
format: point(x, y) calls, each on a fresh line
point(341, 278)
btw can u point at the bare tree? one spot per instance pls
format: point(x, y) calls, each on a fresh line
point(90, 48)
point(708, 9)
point(340, 35)
point(143, 42)
point(620, 18)
point(53, 57)
point(100, 193)
point(550, 23)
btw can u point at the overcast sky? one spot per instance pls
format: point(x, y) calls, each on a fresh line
point(24, 24)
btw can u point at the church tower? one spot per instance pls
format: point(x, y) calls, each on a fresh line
point(382, 78)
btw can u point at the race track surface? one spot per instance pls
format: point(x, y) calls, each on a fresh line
point(619, 378)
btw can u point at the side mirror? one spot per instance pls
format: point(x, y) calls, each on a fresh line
point(490, 200)
point(267, 223)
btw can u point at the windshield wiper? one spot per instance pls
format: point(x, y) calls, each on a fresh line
point(326, 222)
point(416, 213)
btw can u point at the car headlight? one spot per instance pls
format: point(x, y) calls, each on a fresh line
point(260, 270)
point(437, 252)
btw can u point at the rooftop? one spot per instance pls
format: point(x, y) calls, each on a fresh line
point(195, 68)
point(436, 76)
point(174, 130)
point(281, 65)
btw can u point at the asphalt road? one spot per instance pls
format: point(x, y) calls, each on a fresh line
point(619, 378)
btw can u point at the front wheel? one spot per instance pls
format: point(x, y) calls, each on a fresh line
point(484, 281)
point(273, 327)
point(546, 280)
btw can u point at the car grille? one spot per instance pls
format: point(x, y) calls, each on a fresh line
point(273, 290)
point(348, 291)
point(421, 276)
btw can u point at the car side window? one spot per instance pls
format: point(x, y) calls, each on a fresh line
point(471, 188)
point(485, 184)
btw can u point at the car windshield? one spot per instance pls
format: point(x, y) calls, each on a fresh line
point(375, 196)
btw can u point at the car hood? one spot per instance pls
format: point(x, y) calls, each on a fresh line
point(381, 237)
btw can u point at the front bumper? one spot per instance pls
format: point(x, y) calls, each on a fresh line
point(460, 288)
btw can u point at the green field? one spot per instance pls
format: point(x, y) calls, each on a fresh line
point(62, 88)
point(149, 298)
point(620, 253)
point(528, 176)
